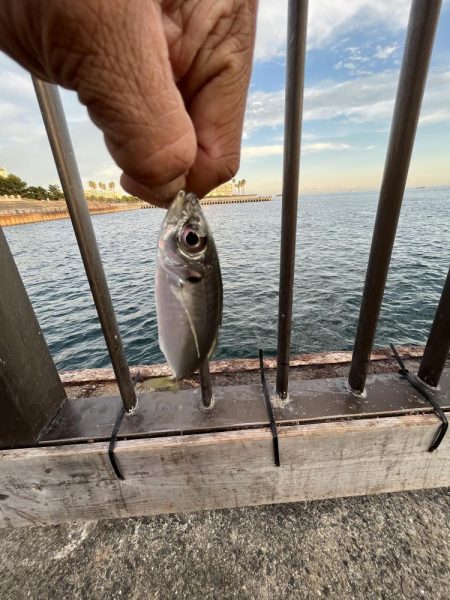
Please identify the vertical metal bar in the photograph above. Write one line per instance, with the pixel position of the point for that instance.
(58, 135)
(295, 72)
(422, 24)
(438, 344)
(31, 392)
(205, 384)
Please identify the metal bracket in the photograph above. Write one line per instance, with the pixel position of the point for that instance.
(118, 422)
(417, 385)
(112, 443)
(273, 425)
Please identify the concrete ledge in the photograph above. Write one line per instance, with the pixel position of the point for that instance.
(238, 365)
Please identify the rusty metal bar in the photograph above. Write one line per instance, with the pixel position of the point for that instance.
(59, 137)
(31, 392)
(438, 344)
(295, 72)
(421, 31)
(205, 384)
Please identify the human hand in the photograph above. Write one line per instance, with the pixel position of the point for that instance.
(165, 80)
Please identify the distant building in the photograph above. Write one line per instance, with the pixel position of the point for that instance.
(226, 189)
(3, 173)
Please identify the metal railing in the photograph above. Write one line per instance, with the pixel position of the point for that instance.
(416, 59)
(295, 75)
(438, 345)
(419, 41)
(61, 145)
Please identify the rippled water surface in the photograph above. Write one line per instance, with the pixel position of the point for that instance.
(333, 244)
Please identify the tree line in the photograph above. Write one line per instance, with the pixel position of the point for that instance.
(12, 185)
(107, 191)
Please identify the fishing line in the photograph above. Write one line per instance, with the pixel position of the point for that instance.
(417, 385)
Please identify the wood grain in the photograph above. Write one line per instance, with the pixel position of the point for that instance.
(216, 470)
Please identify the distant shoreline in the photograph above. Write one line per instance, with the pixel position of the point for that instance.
(21, 212)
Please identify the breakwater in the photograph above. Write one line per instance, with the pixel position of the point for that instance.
(240, 199)
(20, 212)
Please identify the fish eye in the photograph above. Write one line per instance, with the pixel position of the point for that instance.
(192, 241)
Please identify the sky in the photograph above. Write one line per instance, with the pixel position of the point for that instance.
(354, 51)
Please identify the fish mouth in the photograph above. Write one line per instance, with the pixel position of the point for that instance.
(175, 209)
(178, 202)
(184, 211)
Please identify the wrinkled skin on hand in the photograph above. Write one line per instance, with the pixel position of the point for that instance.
(166, 81)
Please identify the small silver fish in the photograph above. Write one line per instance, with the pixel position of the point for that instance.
(188, 287)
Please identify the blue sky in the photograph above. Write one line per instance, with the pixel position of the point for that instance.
(353, 60)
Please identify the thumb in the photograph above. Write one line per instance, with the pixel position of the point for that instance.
(128, 87)
(115, 55)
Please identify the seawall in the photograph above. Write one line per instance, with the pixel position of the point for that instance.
(236, 199)
(229, 200)
(20, 212)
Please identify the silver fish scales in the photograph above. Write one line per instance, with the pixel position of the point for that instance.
(188, 287)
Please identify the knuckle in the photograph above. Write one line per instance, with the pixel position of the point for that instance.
(170, 162)
(228, 167)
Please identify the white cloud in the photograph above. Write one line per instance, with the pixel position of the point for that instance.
(277, 149)
(327, 20)
(362, 100)
(354, 62)
(8, 111)
(384, 53)
(260, 151)
(16, 82)
(322, 146)
(437, 116)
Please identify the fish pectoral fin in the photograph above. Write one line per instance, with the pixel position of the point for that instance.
(213, 348)
(179, 295)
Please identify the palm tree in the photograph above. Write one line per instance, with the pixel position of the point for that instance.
(112, 187)
(102, 186)
(234, 184)
(243, 185)
(93, 187)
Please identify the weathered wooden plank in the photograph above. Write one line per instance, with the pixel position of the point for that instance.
(216, 470)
